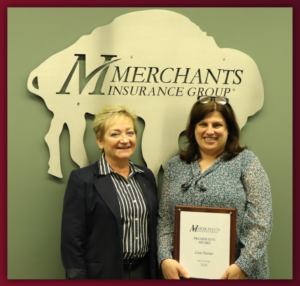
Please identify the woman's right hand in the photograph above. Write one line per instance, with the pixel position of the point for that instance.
(171, 269)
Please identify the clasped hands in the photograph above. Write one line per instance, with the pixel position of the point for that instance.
(171, 269)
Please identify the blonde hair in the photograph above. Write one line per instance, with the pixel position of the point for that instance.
(109, 113)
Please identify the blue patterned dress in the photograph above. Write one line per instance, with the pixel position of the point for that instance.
(239, 183)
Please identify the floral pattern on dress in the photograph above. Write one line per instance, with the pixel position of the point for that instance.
(239, 183)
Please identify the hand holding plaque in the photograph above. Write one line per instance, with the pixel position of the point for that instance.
(171, 269)
(204, 240)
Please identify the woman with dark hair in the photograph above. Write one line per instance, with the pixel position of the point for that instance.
(215, 171)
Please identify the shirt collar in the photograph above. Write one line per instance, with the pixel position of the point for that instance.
(105, 168)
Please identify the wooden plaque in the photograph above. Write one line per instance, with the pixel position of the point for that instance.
(204, 240)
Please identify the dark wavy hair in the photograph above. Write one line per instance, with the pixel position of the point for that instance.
(198, 112)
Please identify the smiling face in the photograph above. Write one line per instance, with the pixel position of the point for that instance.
(211, 134)
(119, 140)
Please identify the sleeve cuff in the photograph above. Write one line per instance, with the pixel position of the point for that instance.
(161, 259)
(76, 274)
(245, 264)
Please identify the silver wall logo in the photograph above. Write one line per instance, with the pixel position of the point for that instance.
(156, 62)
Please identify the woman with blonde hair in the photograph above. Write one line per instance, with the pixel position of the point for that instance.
(110, 208)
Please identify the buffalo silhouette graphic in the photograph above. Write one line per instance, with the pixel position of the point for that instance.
(156, 62)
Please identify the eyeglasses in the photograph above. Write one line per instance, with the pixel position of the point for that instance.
(218, 99)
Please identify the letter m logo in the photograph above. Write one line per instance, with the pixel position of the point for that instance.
(83, 79)
(193, 228)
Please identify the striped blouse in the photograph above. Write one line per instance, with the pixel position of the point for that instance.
(134, 213)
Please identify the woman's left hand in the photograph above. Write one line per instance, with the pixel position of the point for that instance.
(234, 272)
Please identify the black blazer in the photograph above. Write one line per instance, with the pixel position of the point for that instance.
(92, 233)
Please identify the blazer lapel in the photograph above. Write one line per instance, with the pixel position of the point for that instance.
(145, 186)
(107, 191)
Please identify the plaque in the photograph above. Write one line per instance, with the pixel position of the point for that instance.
(204, 240)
